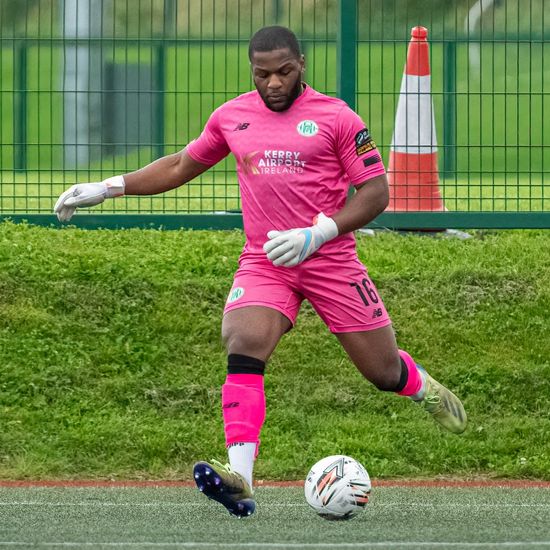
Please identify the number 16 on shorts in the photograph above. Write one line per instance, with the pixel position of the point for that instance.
(368, 296)
(366, 292)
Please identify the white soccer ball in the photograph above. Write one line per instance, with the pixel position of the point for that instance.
(337, 487)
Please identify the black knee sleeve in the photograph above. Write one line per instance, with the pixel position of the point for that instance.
(243, 364)
(403, 378)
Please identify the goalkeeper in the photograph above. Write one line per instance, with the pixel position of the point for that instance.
(297, 153)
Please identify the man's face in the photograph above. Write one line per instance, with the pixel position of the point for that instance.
(278, 77)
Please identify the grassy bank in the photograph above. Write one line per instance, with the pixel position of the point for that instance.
(111, 362)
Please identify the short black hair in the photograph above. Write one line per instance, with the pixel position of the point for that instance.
(272, 38)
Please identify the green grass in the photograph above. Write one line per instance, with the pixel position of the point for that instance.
(111, 362)
(182, 518)
(217, 191)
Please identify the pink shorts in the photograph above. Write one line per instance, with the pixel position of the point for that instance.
(339, 290)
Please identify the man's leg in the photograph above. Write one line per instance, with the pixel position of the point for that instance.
(250, 334)
(375, 354)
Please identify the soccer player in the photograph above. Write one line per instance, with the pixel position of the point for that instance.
(298, 151)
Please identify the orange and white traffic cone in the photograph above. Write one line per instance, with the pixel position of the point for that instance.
(412, 170)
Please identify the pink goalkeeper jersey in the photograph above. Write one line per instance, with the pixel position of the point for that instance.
(291, 165)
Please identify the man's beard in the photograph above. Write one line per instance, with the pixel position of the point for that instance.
(290, 99)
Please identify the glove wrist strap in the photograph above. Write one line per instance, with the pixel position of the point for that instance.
(114, 187)
(328, 227)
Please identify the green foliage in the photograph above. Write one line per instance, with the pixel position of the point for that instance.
(111, 361)
(196, 52)
(214, 19)
(13, 17)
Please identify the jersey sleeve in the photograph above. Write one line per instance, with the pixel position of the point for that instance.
(356, 149)
(210, 147)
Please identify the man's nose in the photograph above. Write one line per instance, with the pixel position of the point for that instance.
(274, 82)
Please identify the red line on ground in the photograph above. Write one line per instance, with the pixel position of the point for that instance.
(463, 483)
(459, 483)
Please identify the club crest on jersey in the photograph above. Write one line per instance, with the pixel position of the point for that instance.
(307, 128)
(235, 294)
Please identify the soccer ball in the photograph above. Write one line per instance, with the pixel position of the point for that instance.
(337, 487)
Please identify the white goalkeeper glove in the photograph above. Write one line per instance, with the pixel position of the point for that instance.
(87, 194)
(292, 247)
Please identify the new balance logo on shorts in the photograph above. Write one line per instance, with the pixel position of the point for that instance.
(231, 405)
(242, 126)
(377, 313)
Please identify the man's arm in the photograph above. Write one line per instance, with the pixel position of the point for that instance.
(162, 175)
(370, 200)
(289, 248)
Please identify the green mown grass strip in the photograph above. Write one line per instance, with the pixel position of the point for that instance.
(111, 361)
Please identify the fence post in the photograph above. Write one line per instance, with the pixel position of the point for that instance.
(20, 111)
(449, 108)
(347, 51)
(158, 101)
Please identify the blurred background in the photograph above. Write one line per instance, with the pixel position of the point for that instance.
(90, 88)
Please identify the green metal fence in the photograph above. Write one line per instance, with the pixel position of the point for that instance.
(91, 88)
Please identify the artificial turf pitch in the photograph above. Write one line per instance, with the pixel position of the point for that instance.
(179, 517)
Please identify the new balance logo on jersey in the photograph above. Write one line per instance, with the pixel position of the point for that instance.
(231, 405)
(242, 126)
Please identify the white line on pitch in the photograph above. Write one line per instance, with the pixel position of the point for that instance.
(273, 505)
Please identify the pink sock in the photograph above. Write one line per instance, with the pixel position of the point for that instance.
(243, 403)
(414, 382)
